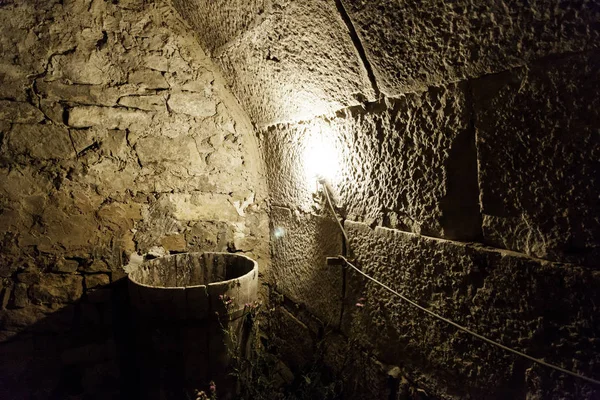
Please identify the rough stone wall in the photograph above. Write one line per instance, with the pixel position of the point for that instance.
(467, 138)
(118, 136)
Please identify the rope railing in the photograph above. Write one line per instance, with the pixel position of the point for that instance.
(345, 261)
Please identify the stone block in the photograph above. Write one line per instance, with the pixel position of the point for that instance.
(298, 63)
(300, 244)
(412, 45)
(199, 206)
(192, 104)
(118, 274)
(538, 149)
(21, 298)
(158, 223)
(97, 266)
(148, 79)
(87, 140)
(53, 111)
(147, 103)
(96, 281)
(19, 112)
(65, 266)
(67, 232)
(57, 289)
(14, 80)
(120, 217)
(174, 125)
(225, 160)
(83, 94)
(540, 308)
(203, 83)
(29, 277)
(111, 177)
(115, 145)
(108, 117)
(131, 4)
(22, 182)
(98, 67)
(47, 141)
(156, 62)
(408, 164)
(181, 151)
(5, 294)
(205, 236)
(174, 243)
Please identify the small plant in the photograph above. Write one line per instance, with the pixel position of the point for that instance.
(250, 363)
(201, 394)
(255, 362)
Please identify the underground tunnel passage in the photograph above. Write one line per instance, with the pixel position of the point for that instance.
(416, 183)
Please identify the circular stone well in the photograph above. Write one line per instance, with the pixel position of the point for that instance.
(188, 311)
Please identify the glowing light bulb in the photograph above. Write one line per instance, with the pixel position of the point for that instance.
(320, 158)
(278, 232)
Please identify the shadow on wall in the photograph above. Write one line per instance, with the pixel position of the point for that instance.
(82, 350)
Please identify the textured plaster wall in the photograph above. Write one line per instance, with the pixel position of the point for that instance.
(117, 136)
(467, 137)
